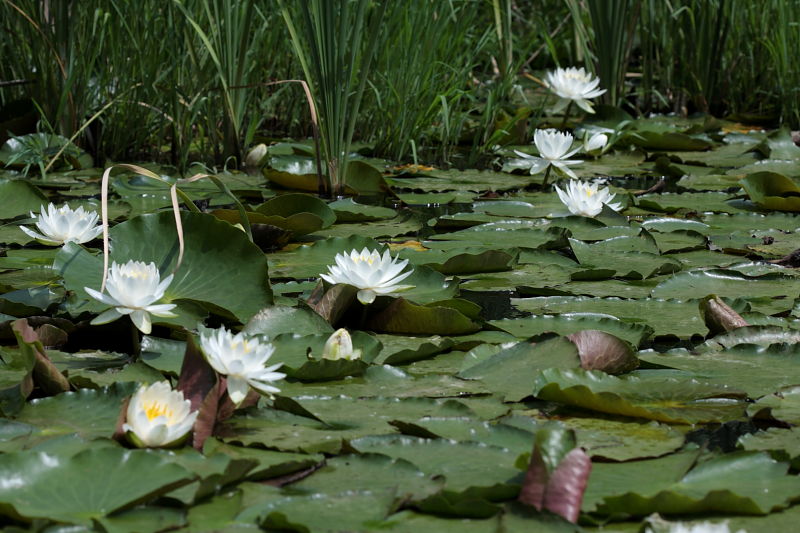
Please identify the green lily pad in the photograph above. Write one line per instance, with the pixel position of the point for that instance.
(16, 381)
(779, 145)
(298, 213)
(695, 284)
(491, 236)
(666, 317)
(679, 401)
(369, 471)
(737, 483)
(337, 421)
(280, 319)
(214, 250)
(567, 323)
(269, 463)
(350, 510)
(311, 260)
(18, 197)
(348, 210)
(89, 413)
(700, 202)
(512, 372)
(470, 429)
(771, 190)
(782, 443)
(635, 264)
(460, 180)
(130, 476)
(462, 261)
(783, 405)
(611, 438)
(487, 474)
(757, 370)
(402, 316)
(302, 356)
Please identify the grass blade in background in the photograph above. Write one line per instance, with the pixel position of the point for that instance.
(613, 25)
(335, 43)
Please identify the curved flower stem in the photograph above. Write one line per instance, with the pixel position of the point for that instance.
(566, 115)
(135, 342)
(546, 175)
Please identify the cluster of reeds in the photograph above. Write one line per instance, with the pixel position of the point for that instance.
(440, 80)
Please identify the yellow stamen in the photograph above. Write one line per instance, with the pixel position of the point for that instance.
(155, 410)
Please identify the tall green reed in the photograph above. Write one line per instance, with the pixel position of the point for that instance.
(613, 25)
(783, 44)
(335, 42)
(231, 35)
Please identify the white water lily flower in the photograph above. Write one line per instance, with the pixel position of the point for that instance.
(594, 145)
(369, 272)
(573, 85)
(158, 416)
(585, 199)
(133, 289)
(241, 359)
(554, 149)
(61, 225)
(340, 346)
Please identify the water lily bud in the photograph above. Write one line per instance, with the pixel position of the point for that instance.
(594, 145)
(340, 346)
(158, 417)
(256, 156)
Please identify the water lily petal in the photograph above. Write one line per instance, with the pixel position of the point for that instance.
(366, 296)
(237, 389)
(106, 317)
(104, 298)
(141, 319)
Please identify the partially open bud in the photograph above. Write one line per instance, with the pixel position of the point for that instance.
(595, 144)
(340, 346)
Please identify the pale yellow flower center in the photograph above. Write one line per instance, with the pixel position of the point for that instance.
(369, 259)
(155, 410)
(246, 346)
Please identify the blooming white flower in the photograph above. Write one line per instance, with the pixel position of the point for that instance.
(553, 148)
(133, 289)
(594, 145)
(370, 272)
(573, 85)
(61, 225)
(340, 346)
(158, 416)
(585, 199)
(242, 359)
